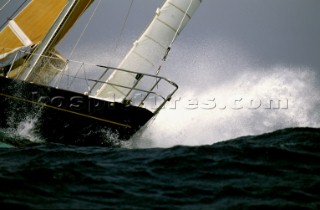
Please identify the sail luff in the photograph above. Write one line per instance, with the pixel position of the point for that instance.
(46, 41)
(79, 8)
(25, 40)
(153, 45)
(30, 25)
(62, 25)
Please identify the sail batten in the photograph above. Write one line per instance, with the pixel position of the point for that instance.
(30, 25)
(152, 47)
(144, 58)
(36, 71)
(25, 40)
(35, 31)
(155, 41)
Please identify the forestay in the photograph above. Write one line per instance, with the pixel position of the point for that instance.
(151, 48)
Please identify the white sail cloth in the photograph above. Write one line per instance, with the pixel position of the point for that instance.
(153, 46)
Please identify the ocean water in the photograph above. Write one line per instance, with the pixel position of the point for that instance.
(203, 151)
(192, 156)
(276, 170)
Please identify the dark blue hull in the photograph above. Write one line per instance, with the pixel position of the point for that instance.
(67, 117)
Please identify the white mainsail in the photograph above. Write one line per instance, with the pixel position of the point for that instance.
(153, 46)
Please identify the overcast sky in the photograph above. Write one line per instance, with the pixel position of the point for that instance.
(263, 32)
(263, 48)
(273, 31)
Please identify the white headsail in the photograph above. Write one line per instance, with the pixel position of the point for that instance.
(153, 46)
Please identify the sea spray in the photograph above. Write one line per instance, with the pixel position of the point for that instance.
(25, 129)
(22, 118)
(226, 93)
(255, 103)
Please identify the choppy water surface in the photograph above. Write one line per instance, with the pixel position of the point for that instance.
(278, 170)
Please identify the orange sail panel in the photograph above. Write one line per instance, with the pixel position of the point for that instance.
(30, 25)
(79, 8)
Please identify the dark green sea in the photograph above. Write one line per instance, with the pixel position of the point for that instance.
(278, 170)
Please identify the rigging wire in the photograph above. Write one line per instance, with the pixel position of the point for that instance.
(85, 28)
(14, 13)
(78, 41)
(5, 5)
(181, 22)
(123, 27)
(174, 37)
(118, 41)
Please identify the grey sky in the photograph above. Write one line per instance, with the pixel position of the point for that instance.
(255, 49)
(270, 32)
(274, 31)
(285, 31)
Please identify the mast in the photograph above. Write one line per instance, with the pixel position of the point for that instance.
(46, 41)
(151, 48)
(29, 26)
(68, 16)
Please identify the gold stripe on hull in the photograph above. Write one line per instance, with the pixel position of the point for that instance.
(65, 110)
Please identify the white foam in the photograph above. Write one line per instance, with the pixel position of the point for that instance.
(256, 103)
(249, 98)
(252, 101)
(25, 129)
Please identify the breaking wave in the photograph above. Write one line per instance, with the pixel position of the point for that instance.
(252, 100)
